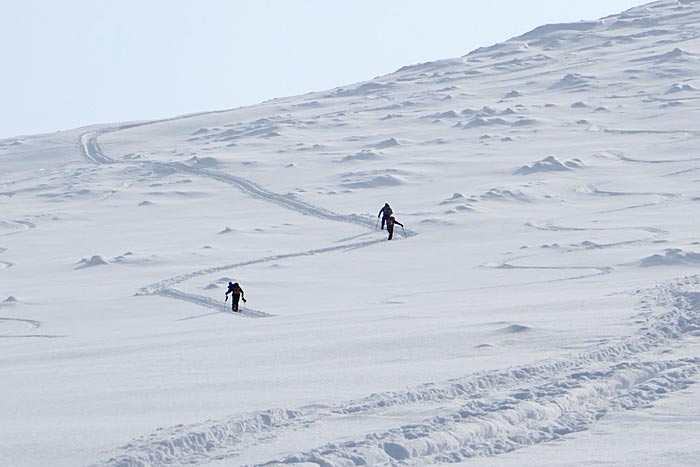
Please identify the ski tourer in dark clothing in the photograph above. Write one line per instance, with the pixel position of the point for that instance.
(385, 212)
(390, 221)
(236, 294)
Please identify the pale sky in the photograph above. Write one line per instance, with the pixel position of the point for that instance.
(69, 63)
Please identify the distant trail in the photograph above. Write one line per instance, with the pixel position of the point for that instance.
(485, 414)
(94, 153)
(29, 325)
(600, 271)
(656, 233)
(622, 157)
(256, 191)
(652, 132)
(91, 150)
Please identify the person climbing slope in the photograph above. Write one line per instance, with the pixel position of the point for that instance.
(385, 212)
(236, 294)
(390, 221)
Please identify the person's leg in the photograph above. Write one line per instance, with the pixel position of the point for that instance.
(383, 222)
(235, 302)
(391, 231)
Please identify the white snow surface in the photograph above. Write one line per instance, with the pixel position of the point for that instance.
(541, 307)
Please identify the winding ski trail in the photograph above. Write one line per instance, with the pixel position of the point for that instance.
(92, 151)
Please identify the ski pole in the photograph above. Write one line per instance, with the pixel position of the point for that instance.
(404, 231)
(376, 226)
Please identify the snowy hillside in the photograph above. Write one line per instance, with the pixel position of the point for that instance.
(541, 306)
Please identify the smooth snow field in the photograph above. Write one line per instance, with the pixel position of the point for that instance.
(541, 306)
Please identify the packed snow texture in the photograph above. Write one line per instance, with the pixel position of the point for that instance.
(540, 307)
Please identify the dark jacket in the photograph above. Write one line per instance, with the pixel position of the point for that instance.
(385, 211)
(234, 289)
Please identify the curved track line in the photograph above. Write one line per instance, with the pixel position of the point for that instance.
(30, 324)
(621, 156)
(652, 132)
(24, 226)
(91, 150)
(485, 414)
(601, 271)
(657, 233)
(167, 283)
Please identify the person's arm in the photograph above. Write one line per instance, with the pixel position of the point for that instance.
(380, 212)
(243, 296)
(397, 222)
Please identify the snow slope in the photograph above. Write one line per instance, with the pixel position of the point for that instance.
(542, 305)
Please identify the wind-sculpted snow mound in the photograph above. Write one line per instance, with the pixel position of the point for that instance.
(675, 55)
(675, 88)
(514, 329)
(95, 260)
(550, 30)
(364, 155)
(504, 194)
(481, 122)
(573, 82)
(363, 89)
(550, 164)
(203, 162)
(440, 115)
(672, 257)
(387, 143)
(370, 181)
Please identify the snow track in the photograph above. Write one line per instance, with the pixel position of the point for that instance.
(209, 303)
(28, 324)
(484, 414)
(93, 152)
(164, 288)
(283, 201)
(158, 286)
(9, 328)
